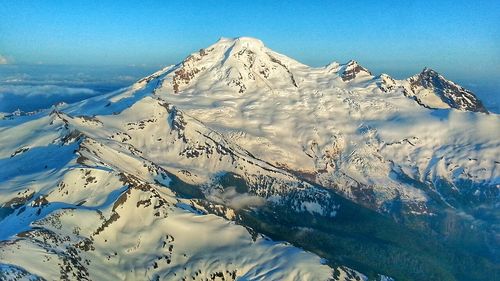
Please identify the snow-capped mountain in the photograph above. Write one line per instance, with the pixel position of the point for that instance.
(352, 70)
(340, 126)
(431, 89)
(177, 176)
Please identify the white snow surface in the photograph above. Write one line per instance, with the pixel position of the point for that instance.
(84, 195)
(311, 121)
(95, 208)
(86, 188)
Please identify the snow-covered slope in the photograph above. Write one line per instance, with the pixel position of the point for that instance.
(339, 125)
(89, 198)
(147, 182)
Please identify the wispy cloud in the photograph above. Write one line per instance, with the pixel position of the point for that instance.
(235, 200)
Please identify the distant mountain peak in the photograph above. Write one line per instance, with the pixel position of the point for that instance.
(428, 70)
(448, 92)
(352, 69)
(386, 83)
(352, 62)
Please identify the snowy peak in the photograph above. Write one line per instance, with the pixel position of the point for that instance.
(386, 83)
(351, 70)
(243, 64)
(435, 91)
(426, 76)
(429, 71)
(242, 42)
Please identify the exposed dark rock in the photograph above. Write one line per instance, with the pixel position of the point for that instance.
(450, 93)
(351, 71)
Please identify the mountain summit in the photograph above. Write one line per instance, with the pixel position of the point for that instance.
(242, 63)
(195, 172)
(245, 42)
(247, 65)
(429, 82)
(352, 69)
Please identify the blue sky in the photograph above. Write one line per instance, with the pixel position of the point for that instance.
(459, 38)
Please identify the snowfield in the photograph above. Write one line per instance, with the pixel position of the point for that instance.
(128, 185)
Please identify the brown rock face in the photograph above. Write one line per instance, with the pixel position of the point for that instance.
(351, 70)
(450, 93)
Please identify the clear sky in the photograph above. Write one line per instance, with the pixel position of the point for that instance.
(458, 38)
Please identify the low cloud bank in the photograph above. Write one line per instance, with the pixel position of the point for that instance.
(34, 97)
(33, 87)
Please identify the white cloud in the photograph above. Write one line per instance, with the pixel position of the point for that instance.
(44, 90)
(230, 197)
(3, 60)
(33, 97)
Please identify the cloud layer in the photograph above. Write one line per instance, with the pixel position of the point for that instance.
(33, 97)
(33, 87)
